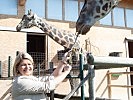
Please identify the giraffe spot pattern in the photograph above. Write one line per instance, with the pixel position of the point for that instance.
(57, 39)
(71, 40)
(103, 14)
(43, 24)
(101, 2)
(60, 35)
(110, 5)
(51, 35)
(70, 35)
(105, 7)
(54, 31)
(66, 38)
(63, 42)
(98, 9)
(97, 16)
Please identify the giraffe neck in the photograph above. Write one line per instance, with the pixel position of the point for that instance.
(62, 37)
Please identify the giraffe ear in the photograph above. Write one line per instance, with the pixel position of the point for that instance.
(29, 12)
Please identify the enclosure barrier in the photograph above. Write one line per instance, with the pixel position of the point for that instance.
(93, 64)
(112, 62)
(99, 63)
(106, 63)
(121, 86)
(9, 64)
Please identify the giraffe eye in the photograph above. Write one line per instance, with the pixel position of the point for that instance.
(29, 19)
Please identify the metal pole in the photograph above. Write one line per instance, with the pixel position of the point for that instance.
(38, 70)
(9, 65)
(0, 70)
(108, 62)
(51, 71)
(91, 82)
(112, 62)
(109, 83)
(91, 74)
(81, 76)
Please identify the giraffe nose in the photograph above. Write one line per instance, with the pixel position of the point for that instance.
(18, 28)
(82, 28)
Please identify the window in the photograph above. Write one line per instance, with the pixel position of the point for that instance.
(36, 6)
(55, 9)
(8, 7)
(119, 18)
(71, 10)
(118, 14)
(129, 18)
(106, 20)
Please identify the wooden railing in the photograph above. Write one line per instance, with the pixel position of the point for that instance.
(109, 85)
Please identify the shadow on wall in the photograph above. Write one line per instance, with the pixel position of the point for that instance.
(4, 68)
(100, 84)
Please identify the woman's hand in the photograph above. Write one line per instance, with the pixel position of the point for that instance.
(67, 68)
(61, 72)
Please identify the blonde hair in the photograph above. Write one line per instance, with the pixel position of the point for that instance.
(19, 58)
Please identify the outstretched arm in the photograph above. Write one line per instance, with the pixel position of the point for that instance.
(61, 72)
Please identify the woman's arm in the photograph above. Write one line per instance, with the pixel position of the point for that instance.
(61, 72)
(29, 85)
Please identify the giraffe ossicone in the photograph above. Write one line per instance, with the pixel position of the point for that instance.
(91, 12)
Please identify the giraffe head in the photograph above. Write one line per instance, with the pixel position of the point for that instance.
(28, 21)
(92, 11)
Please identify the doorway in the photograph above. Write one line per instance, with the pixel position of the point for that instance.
(36, 48)
(35, 43)
(130, 48)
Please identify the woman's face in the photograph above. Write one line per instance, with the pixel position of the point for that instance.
(25, 68)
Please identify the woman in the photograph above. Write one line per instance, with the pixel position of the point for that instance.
(28, 87)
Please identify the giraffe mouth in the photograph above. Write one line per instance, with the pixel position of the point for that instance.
(83, 29)
(18, 28)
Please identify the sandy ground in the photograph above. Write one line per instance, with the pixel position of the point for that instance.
(4, 86)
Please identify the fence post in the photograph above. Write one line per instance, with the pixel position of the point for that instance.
(91, 73)
(109, 85)
(0, 70)
(81, 75)
(38, 70)
(9, 65)
(51, 70)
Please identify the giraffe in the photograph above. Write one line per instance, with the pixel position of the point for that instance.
(65, 38)
(62, 37)
(92, 11)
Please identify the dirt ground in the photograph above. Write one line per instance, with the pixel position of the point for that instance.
(4, 86)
